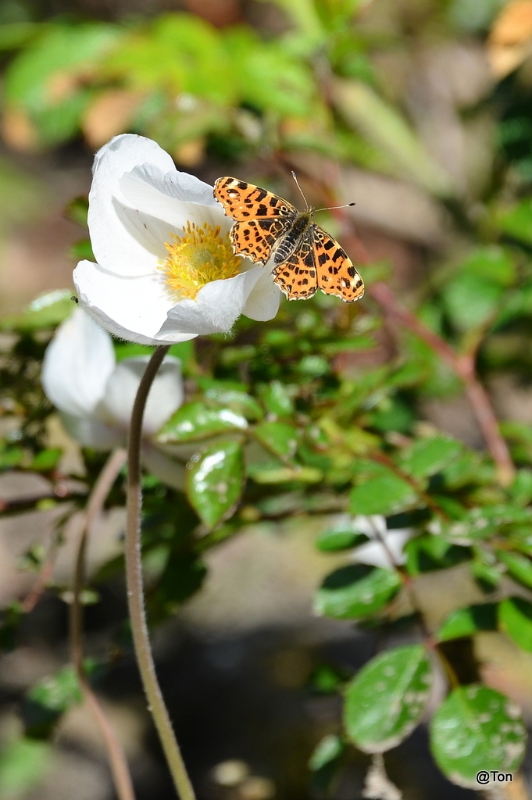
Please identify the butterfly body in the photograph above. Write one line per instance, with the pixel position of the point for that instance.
(306, 258)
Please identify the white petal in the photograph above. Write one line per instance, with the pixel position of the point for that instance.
(131, 308)
(370, 525)
(166, 393)
(89, 432)
(263, 301)
(171, 196)
(120, 247)
(77, 364)
(163, 467)
(377, 555)
(216, 308)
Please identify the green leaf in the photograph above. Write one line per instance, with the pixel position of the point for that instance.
(329, 749)
(430, 551)
(215, 480)
(342, 537)
(471, 301)
(518, 566)
(235, 400)
(23, 763)
(356, 591)
(468, 621)
(45, 311)
(383, 494)
(277, 399)
(45, 460)
(278, 437)
(426, 457)
(387, 698)
(517, 221)
(196, 421)
(477, 729)
(515, 619)
(271, 475)
(48, 699)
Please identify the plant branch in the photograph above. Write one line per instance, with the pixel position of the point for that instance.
(117, 759)
(135, 589)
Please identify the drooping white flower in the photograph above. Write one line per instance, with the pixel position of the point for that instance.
(94, 394)
(166, 270)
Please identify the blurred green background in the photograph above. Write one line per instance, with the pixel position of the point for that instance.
(420, 111)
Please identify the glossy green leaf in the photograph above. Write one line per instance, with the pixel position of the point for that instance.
(277, 399)
(235, 400)
(515, 619)
(426, 457)
(383, 494)
(196, 421)
(518, 566)
(477, 729)
(278, 437)
(215, 480)
(356, 591)
(342, 537)
(468, 621)
(271, 475)
(429, 552)
(387, 698)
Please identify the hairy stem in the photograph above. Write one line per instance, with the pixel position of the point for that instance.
(117, 759)
(135, 589)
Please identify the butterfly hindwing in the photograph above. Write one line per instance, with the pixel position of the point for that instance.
(296, 275)
(336, 273)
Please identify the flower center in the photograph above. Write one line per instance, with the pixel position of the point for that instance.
(198, 257)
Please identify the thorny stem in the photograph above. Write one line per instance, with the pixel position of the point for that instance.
(135, 589)
(462, 364)
(117, 759)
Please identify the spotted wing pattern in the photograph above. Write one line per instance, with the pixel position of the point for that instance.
(242, 201)
(256, 237)
(297, 275)
(336, 272)
(263, 221)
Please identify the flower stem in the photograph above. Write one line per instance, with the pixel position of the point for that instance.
(117, 759)
(135, 590)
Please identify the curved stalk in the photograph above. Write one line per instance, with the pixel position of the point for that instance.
(135, 589)
(117, 759)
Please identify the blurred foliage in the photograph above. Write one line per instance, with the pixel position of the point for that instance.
(304, 415)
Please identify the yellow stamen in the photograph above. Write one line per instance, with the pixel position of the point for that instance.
(198, 257)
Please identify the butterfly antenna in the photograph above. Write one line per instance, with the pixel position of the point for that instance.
(294, 176)
(332, 208)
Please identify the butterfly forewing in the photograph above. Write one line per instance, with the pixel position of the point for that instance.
(307, 258)
(243, 201)
(256, 237)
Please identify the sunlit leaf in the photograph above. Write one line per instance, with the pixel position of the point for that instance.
(515, 619)
(468, 621)
(477, 729)
(215, 480)
(196, 421)
(356, 591)
(387, 698)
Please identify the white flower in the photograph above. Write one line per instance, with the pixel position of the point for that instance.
(95, 395)
(374, 552)
(166, 270)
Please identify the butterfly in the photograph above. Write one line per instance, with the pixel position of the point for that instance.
(305, 257)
